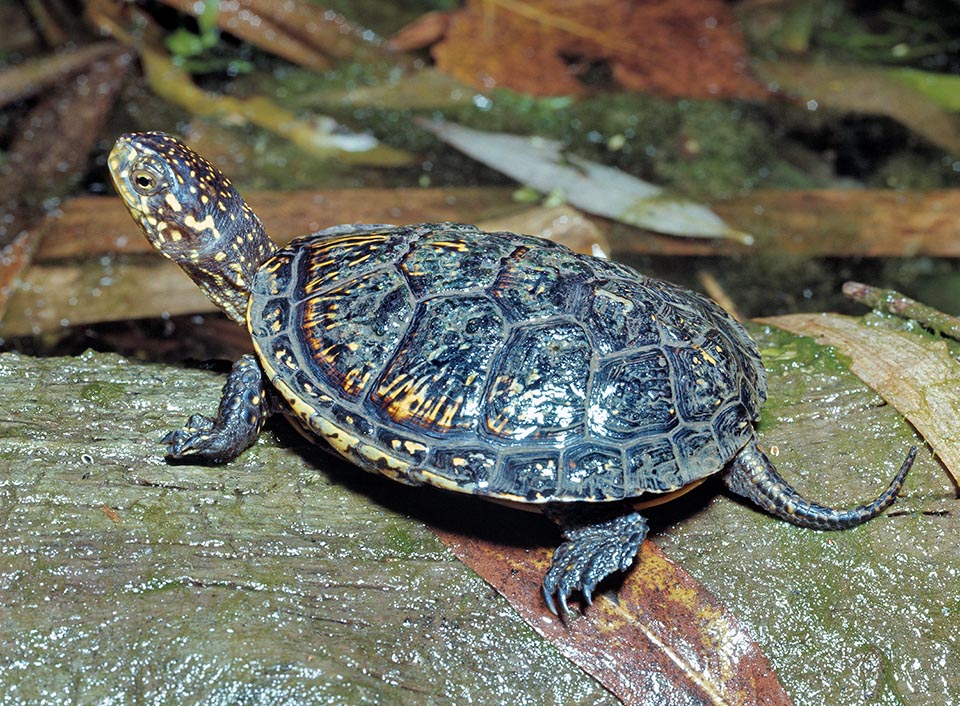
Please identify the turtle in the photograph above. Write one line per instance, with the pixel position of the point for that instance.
(499, 365)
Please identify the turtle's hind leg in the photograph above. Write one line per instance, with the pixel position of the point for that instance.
(244, 407)
(752, 475)
(592, 552)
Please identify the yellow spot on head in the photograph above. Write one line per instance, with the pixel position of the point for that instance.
(172, 202)
(206, 224)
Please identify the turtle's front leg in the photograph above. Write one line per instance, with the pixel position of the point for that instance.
(244, 407)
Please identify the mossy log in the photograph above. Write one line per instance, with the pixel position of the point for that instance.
(289, 577)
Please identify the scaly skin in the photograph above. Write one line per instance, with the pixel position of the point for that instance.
(752, 475)
(244, 407)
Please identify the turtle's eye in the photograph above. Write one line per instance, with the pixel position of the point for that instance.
(145, 181)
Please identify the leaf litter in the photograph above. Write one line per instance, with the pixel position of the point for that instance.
(593, 187)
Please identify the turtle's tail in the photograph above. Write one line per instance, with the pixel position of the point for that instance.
(752, 475)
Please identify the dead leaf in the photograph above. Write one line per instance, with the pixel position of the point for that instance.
(919, 378)
(297, 30)
(663, 640)
(561, 224)
(591, 186)
(426, 30)
(867, 90)
(34, 75)
(691, 49)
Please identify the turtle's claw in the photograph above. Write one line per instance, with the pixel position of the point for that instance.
(243, 408)
(197, 438)
(181, 441)
(590, 554)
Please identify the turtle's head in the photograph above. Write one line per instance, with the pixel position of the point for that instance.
(191, 213)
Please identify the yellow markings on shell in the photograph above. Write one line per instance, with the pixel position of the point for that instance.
(411, 447)
(386, 390)
(411, 396)
(498, 425)
(344, 441)
(339, 438)
(450, 412)
(350, 445)
(414, 447)
(354, 380)
(286, 359)
(457, 245)
(623, 301)
(360, 260)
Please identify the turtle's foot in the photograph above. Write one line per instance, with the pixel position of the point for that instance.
(243, 409)
(590, 554)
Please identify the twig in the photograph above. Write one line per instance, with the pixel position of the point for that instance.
(893, 302)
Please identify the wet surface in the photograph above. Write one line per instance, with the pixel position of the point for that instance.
(288, 577)
(862, 616)
(124, 579)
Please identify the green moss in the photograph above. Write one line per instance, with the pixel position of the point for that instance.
(402, 541)
(102, 392)
(782, 350)
(706, 149)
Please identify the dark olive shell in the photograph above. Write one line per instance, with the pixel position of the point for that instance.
(503, 365)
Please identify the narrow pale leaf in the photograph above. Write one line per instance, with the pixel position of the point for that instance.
(662, 640)
(919, 378)
(593, 187)
(942, 89)
(867, 90)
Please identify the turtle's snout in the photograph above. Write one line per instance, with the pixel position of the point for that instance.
(153, 174)
(141, 174)
(118, 162)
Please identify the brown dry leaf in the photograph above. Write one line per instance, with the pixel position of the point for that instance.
(663, 640)
(34, 75)
(919, 378)
(111, 514)
(691, 48)
(297, 30)
(561, 224)
(426, 30)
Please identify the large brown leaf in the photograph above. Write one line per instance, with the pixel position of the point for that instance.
(919, 378)
(688, 48)
(662, 640)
